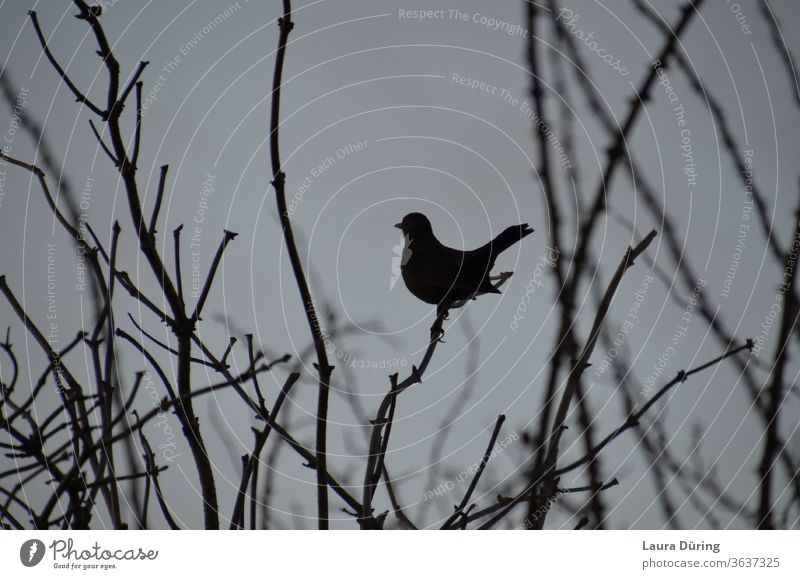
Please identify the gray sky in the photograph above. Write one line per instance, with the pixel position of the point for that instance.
(380, 120)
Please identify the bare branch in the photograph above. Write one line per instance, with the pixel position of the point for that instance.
(324, 368)
(459, 510)
(79, 96)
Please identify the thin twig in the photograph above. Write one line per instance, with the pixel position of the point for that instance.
(201, 301)
(459, 510)
(381, 425)
(79, 96)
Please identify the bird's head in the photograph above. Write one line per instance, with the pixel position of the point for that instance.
(415, 225)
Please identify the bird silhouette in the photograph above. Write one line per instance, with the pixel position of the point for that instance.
(449, 277)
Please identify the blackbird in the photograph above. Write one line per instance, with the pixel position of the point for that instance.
(448, 277)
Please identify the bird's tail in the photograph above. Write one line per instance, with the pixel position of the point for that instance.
(509, 237)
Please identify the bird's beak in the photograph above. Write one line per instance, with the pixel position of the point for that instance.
(398, 225)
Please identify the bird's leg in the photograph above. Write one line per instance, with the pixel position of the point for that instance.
(501, 278)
